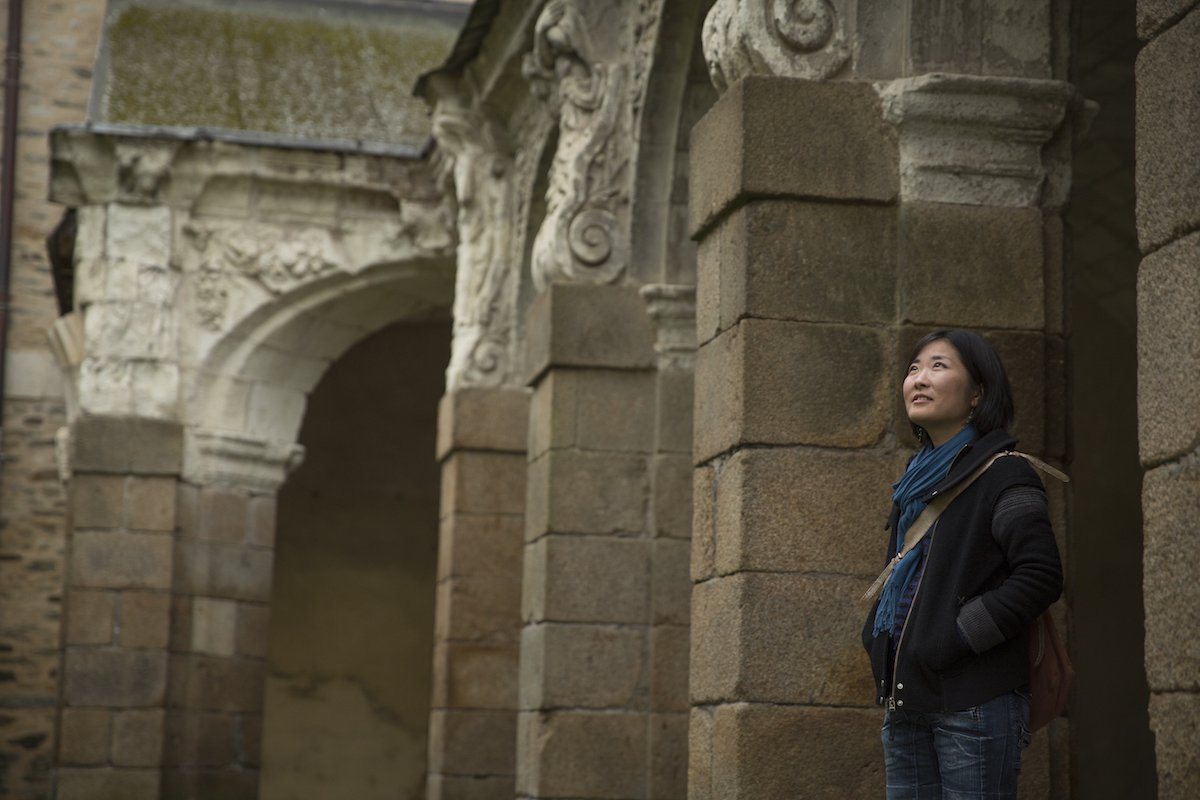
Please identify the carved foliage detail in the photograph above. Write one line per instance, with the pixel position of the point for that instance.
(792, 38)
(582, 237)
(275, 258)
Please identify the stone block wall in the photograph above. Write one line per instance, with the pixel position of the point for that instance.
(473, 720)
(820, 264)
(118, 608)
(1168, 288)
(58, 47)
(602, 691)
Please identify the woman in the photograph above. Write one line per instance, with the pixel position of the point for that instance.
(946, 634)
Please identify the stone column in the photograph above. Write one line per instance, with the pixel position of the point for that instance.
(838, 221)
(586, 722)
(224, 554)
(473, 720)
(1168, 214)
(117, 608)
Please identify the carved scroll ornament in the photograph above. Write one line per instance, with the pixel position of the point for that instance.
(582, 237)
(790, 38)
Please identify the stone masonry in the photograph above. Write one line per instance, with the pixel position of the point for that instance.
(1168, 287)
(896, 219)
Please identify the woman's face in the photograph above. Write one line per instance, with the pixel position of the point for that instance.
(938, 392)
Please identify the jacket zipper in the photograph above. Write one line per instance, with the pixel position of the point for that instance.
(891, 704)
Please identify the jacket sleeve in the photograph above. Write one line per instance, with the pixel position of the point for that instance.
(1021, 528)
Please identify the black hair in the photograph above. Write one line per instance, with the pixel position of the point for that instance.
(995, 409)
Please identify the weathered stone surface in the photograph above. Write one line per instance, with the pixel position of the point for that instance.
(673, 496)
(200, 739)
(1175, 720)
(578, 492)
(121, 560)
(214, 626)
(582, 754)
(669, 668)
(98, 501)
(989, 38)
(778, 137)
(470, 787)
(126, 445)
(804, 261)
(581, 666)
(223, 783)
(89, 616)
(107, 784)
(774, 382)
(145, 620)
(484, 608)
(593, 409)
(973, 266)
(841, 757)
(1168, 329)
(478, 545)
(676, 389)
(779, 638)
(573, 325)
(804, 510)
(137, 738)
(261, 527)
(704, 531)
(114, 677)
(214, 683)
(586, 579)
(482, 482)
(1153, 16)
(700, 753)
(473, 743)
(84, 736)
(1170, 497)
(476, 418)
(234, 572)
(150, 504)
(222, 515)
(672, 592)
(250, 637)
(467, 675)
(1168, 172)
(668, 755)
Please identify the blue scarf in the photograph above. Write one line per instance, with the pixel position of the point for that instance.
(927, 469)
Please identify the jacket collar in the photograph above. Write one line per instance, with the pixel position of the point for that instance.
(971, 458)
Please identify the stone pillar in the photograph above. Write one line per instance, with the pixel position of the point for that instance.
(473, 720)
(224, 554)
(672, 309)
(117, 608)
(587, 719)
(838, 222)
(1168, 214)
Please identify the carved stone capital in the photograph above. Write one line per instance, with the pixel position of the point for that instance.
(785, 38)
(672, 308)
(584, 236)
(235, 459)
(977, 140)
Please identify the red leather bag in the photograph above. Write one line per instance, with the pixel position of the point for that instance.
(1050, 672)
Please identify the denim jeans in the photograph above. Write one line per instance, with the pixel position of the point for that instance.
(958, 755)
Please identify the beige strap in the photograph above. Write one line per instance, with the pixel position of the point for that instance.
(921, 525)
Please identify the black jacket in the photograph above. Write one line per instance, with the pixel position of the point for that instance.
(974, 576)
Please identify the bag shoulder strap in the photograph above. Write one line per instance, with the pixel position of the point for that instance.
(924, 521)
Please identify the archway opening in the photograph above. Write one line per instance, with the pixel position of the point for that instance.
(352, 603)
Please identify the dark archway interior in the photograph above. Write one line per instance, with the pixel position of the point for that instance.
(352, 606)
(1112, 749)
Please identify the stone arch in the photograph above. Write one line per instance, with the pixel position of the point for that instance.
(271, 359)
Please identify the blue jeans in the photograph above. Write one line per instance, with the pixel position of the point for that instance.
(958, 755)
